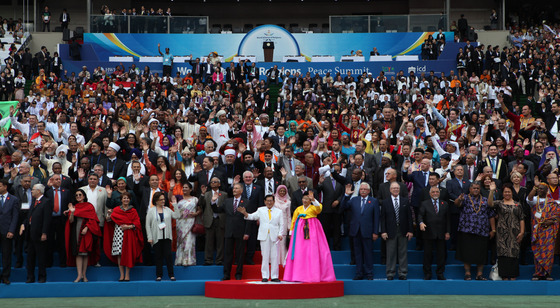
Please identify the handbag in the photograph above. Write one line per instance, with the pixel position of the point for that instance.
(198, 227)
(494, 275)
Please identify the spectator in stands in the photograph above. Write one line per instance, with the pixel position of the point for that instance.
(64, 19)
(463, 27)
(46, 18)
(167, 61)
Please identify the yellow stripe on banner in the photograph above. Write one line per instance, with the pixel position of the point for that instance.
(418, 42)
(113, 38)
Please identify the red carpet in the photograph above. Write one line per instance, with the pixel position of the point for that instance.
(255, 289)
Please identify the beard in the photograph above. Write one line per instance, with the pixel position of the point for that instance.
(554, 163)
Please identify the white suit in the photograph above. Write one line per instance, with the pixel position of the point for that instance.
(269, 230)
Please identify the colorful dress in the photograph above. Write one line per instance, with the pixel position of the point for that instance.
(309, 257)
(474, 230)
(543, 237)
(186, 240)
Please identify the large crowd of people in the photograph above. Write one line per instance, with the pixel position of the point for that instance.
(137, 165)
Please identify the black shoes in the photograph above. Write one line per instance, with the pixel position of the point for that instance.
(441, 277)
(402, 277)
(225, 278)
(237, 277)
(275, 280)
(428, 277)
(358, 277)
(264, 280)
(390, 278)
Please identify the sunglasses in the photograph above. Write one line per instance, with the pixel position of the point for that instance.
(77, 195)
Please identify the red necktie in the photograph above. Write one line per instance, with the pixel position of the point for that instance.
(435, 206)
(56, 206)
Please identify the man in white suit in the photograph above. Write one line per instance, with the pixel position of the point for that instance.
(271, 225)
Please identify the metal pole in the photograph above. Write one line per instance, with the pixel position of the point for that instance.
(35, 15)
(503, 14)
(88, 15)
(448, 13)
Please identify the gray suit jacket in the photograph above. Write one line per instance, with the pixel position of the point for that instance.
(292, 183)
(205, 203)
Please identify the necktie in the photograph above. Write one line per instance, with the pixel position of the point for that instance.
(493, 160)
(25, 197)
(208, 176)
(333, 183)
(290, 161)
(436, 206)
(269, 215)
(248, 190)
(2, 201)
(397, 210)
(426, 178)
(363, 204)
(270, 187)
(151, 197)
(235, 206)
(56, 201)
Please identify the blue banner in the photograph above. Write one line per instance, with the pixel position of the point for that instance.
(285, 43)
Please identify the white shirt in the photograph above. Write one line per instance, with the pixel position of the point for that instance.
(92, 196)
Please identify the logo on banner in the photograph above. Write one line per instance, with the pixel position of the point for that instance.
(417, 69)
(283, 41)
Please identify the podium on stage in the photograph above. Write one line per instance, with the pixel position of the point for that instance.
(268, 48)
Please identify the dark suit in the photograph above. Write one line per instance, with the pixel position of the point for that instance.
(256, 200)
(437, 225)
(455, 189)
(38, 222)
(236, 228)
(197, 70)
(9, 213)
(135, 187)
(396, 234)
(385, 193)
(203, 177)
(275, 184)
(117, 167)
(24, 197)
(331, 217)
(419, 181)
(364, 223)
(501, 167)
(57, 234)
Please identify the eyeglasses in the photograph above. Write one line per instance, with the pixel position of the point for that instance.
(302, 182)
(77, 195)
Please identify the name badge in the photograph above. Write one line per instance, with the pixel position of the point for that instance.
(110, 175)
(230, 181)
(538, 215)
(25, 206)
(161, 226)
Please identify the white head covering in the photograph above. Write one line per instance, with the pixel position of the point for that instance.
(213, 154)
(229, 152)
(62, 148)
(152, 120)
(220, 113)
(114, 146)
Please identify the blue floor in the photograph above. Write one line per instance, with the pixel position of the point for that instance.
(191, 280)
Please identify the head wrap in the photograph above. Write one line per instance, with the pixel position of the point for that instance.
(136, 152)
(220, 113)
(114, 146)
(230, 152)
(62, 148)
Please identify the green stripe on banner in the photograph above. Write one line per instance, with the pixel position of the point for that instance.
(5, 112)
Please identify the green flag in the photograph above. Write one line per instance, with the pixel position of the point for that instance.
(5, 112)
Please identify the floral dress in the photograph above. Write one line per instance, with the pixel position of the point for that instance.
(186, 240)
